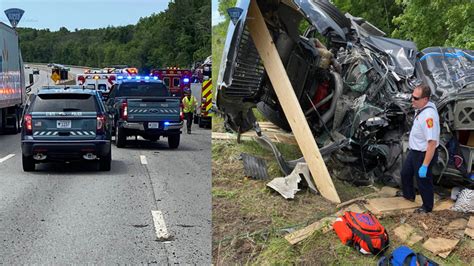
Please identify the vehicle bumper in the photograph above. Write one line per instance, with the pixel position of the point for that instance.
(63, 151)
(164, 127)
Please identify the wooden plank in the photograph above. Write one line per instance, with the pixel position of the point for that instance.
(407, 234)
(443, 205)
(458, 224)
(324, 225)
(383, 205)
(440, 246)
(279, 138)
(285, 93)
(470, 223)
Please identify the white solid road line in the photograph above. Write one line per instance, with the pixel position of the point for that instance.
(160, 226)
(6, 157)
(143, 159)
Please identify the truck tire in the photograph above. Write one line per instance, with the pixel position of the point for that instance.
(201, 124)
(105, 162)
(28, 163)
(173, 141)
(120, 137)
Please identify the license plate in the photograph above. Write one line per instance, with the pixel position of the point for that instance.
(63, 123)
(153, 125)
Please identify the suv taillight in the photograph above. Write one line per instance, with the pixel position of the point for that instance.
(101, 124)
(28, 124)
(124, 110)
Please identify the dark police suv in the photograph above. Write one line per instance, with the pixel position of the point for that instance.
(65, 124)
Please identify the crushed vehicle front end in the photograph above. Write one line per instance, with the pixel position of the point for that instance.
(354, 90)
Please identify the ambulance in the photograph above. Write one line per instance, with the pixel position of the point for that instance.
(174, 78)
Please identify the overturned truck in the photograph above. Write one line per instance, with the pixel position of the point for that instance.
(354, 86)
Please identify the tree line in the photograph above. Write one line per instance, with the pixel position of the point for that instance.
(178, 36)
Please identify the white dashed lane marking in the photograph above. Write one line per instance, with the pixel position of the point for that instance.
(6, 157)
(160, 226)
(143, 159)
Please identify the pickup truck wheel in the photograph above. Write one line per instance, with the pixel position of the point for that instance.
(173, 141)
(28, 163)
(201, 124)
(120, 137)
(105, 162)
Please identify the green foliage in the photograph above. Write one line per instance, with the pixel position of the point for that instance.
(177, 36)
(379, 13)
(436, 23)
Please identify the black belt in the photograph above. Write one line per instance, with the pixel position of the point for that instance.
(416, 150)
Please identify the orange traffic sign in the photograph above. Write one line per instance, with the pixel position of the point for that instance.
(55, 77)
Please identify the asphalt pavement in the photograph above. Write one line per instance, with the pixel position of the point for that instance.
(153, 207)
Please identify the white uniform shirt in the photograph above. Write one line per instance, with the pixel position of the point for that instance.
(425, 127)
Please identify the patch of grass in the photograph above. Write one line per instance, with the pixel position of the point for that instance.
(217, 124)
(259, 116)
(277, 252)
(220, 193)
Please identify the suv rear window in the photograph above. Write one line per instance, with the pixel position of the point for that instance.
(143, 89)
(63, 102)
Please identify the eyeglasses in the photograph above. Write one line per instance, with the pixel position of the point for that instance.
(416, 98)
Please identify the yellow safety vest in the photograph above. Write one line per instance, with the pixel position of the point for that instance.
(189, 104)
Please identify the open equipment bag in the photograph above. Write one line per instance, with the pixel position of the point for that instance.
(362, 231)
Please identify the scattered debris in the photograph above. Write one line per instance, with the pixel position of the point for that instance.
(443, 205)
(324, 225)
(254, 167)
(379, 206)
(470, 228)
(424, 226)
(457, 224)
(440, 246)
(407, 234)
(288, 186)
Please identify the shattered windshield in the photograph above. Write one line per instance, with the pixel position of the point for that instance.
(447, 68)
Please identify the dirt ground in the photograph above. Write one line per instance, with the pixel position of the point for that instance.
(250, 219)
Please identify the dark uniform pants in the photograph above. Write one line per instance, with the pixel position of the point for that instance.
(189, 120)
(410, 168)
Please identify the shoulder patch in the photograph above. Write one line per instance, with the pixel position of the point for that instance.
(429, 122)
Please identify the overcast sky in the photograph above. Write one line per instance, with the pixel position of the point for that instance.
(81, 14)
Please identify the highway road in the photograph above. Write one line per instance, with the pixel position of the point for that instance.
(154, 206)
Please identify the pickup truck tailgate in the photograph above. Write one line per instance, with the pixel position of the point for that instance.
(153, 109)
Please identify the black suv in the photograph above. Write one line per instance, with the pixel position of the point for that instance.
(65, 124)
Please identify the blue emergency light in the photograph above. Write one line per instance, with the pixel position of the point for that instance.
(167, 123)
(119, 77)
(186, 80)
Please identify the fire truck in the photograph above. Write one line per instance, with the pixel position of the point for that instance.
(201, 88)
(174, 78)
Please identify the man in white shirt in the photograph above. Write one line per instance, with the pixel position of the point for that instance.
(422, 155)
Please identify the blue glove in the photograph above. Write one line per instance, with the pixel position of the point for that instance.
(422, 171)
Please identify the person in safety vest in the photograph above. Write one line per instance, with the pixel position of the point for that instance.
(189, 106)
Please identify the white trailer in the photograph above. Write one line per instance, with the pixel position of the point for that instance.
(12, 80)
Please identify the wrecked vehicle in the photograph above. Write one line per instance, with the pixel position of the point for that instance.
(354, 89)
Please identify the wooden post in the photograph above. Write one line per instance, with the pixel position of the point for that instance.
(285, 93)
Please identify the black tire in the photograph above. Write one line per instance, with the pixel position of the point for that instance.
(105, 162)
(334, 13)
(173, 141)
(201, 124)
(120, 137)
(28, 163)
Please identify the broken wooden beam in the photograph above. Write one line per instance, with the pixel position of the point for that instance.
(287, 98)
